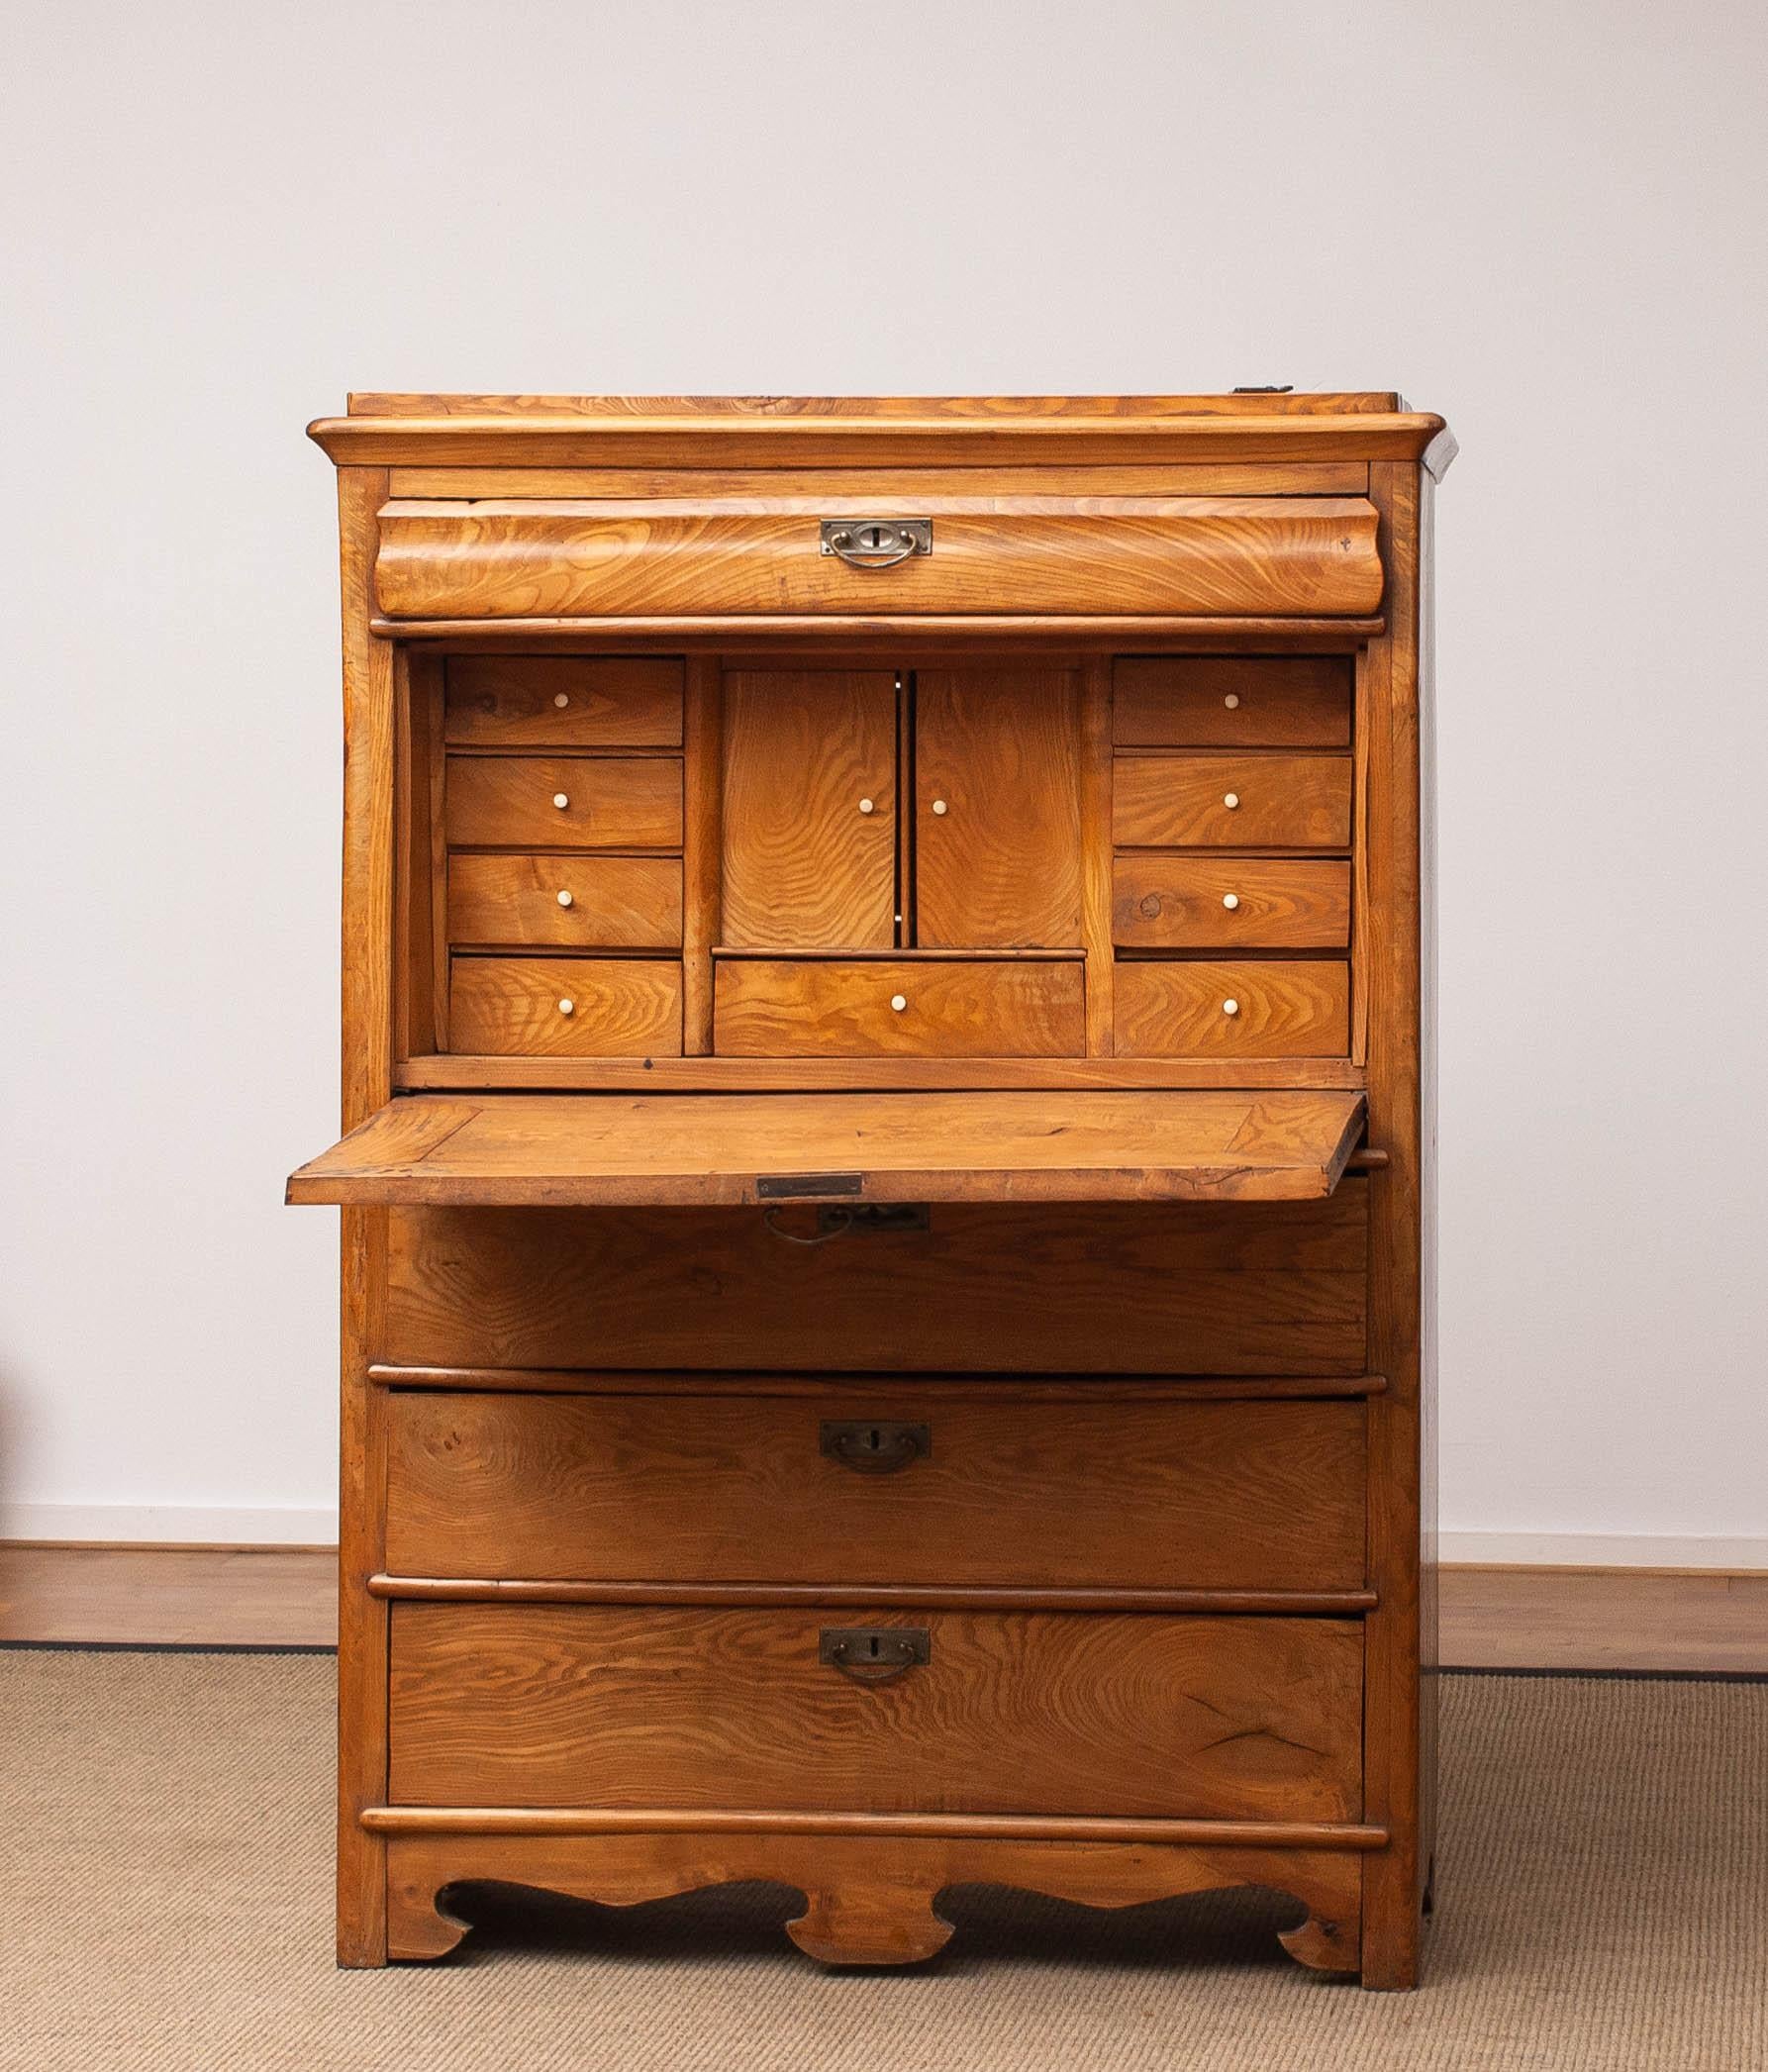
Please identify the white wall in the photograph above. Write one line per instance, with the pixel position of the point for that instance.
(1546, 222)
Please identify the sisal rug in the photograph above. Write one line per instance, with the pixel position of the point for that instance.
(1602, 1894)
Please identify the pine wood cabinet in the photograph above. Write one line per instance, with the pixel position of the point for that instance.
(887, 1159)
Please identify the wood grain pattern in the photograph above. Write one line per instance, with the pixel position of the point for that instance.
(611, 801)
(1038, 1712)
(616, 901)
(1162, 901)
(1299, 1008)
(1231, 701)
(681, 1488)
(1207, 555)
(506, 701)
(769, 1007)
(541, 1151)
(1181, 801)
(804, 863)
(869, 1898)
(1244, 1288)
(368, 1023)
(997, 812)
(1400, 1729)
(619, 1006)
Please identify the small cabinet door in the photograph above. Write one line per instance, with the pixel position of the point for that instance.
(810, 808)
(997, 808)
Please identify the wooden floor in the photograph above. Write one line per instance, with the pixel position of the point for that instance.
(1692, 1620)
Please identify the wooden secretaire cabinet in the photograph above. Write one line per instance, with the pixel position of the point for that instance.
(887, 1185)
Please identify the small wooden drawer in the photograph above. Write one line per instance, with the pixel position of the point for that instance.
(520, 701)
(1232, 801)
(1250, 1010)
(564, 1007)
(565, 902)
(1231, 701)
(1188, 901)
(1102, 1486)
(564, 802)
(899, 1007)
(530, 557)
(748, 1710)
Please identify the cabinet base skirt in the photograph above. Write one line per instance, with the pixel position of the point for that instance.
(869, 1898)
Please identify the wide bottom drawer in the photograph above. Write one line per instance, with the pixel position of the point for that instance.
(1106, 1488)
(1132, 1714)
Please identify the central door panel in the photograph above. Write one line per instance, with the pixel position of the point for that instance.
(810, 808)
(997, 814)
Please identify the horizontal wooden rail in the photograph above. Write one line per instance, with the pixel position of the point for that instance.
(1108, 1388)
(979, 1827)
(896, 1595)
(1317, 635)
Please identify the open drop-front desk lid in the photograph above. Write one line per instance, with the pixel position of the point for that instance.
(586, 1150)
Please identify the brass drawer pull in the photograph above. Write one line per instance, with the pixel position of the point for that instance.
(876, 542)
(874, 1654)
(874, 1445)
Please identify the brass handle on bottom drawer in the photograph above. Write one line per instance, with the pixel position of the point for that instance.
(875, 542)
(874, 1445)
(874, 1654)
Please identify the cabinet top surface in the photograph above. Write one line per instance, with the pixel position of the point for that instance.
(387, 429)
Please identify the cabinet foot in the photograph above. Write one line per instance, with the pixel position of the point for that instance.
(871, 1923)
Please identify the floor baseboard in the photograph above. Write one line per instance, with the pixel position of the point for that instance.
(1692, 1622)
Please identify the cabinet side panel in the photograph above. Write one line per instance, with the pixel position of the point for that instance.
(368, 1039)
(1394, 916)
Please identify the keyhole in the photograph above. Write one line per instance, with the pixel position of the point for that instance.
(876, 1650)
(875, 1439)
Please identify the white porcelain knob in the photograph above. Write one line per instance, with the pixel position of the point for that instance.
(1232, 700)
(1230, 1007)
(898, 1001)
(866, 806)
(561, 699)
(1230, 900)
(939, 805)
(565, 898)
(561, 800)
(567, 1007)
(1231, 800)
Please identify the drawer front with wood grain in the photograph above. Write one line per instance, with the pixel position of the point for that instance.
(564, 1007)
(536, 701)
(885, 1486)
(565, 802)
(1188, 901)
(565, 902)
(899, 1007)
(750, 1710)
(1231, 701)
(1239, 1288)
(1257, 1008)
(1232, 801)
(1215, 555)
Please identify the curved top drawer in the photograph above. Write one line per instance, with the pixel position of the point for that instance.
(1269, 556)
